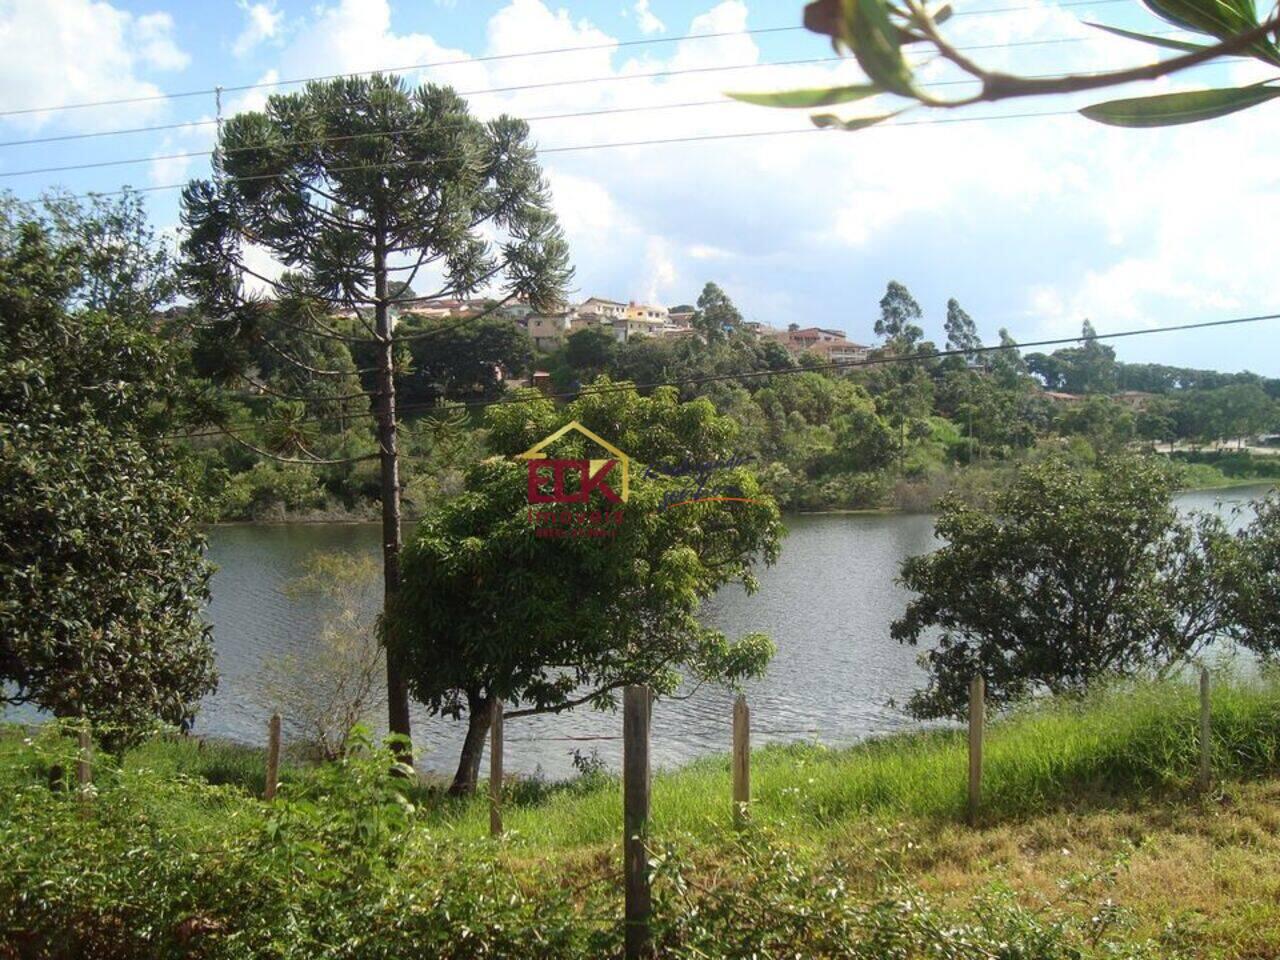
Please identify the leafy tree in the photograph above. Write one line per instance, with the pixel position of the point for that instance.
(962, 333)
(102, 571)
(461, 362)
(490, 610)
(355, 185)
(1254, 587)
(1108, 425)
(1008, 365)
(716, 316)
(1154, 421)
(1073, 575)
(875, 31)
(899, 319)
(590, 352)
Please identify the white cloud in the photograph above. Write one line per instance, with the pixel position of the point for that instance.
(646, 19)
(59, 52)
(153, 38)
(262, 23)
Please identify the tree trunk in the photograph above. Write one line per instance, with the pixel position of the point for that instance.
(468, 773)
(389, 460)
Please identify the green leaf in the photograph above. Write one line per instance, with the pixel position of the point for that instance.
(1173, 108)
(1146, 38)
(1222, 19)
(831, 121)
(815, 97)
(873, 38)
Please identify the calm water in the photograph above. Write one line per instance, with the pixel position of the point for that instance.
(827, 604)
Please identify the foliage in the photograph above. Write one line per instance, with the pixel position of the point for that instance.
(716, 316)
(1073, 575)
(462, 361)
(102, 573)
(332, 688)
(492, 611)
(853, 852)
(876, 31)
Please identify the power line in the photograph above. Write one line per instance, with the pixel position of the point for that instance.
(699, 138)
(461, 61)
(753, 374)
(390, 133)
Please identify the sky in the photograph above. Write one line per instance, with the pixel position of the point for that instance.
(1032, 223)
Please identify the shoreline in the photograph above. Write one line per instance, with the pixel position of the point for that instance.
(1227, 484)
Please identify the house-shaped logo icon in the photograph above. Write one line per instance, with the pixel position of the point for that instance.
(595, 474)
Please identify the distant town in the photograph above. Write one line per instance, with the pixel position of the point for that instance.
(624, 321)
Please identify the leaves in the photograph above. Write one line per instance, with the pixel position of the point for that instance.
(875, 41)
(807, 98)
(1174, 108)
(1167, 42)
(830, 120)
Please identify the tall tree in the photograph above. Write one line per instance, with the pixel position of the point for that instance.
(716, 315)
(962, 333)
(358, 186)
(899, 322)
(904, 392)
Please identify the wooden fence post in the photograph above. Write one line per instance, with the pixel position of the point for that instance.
(495, 769)
(273, 758)
(741, 761)
(84, 769)
(977, 717)
(1206, 733)
(636, 705)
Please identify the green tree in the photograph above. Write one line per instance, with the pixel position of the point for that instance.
(962, 332)
(590, 352)
(102, 570)
(899, 322)
(716, 316)
(462, 362)
(355, 185)
(1073, 575)
(490, 610)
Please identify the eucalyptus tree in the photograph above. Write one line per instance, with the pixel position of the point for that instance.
(363, 189)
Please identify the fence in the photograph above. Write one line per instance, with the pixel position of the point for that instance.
(637, 707)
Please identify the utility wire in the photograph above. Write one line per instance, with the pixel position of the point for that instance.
(752, 374)
(593, 80)
(491, 58)
(249, 148)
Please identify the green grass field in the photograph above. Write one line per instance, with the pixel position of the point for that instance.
(1086, 803)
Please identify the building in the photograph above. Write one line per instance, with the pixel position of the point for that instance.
(547, 331)
(611, 309)
(830, 344)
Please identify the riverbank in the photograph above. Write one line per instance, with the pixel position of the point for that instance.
(888, 494)
(1093, 842)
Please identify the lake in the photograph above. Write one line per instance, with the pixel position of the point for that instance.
(827, 604)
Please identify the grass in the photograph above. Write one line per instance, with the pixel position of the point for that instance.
(1090, 810)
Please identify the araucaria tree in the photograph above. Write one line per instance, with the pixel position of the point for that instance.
(102, 569)
(1071, 576)
(490, 610)
(364, 190)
